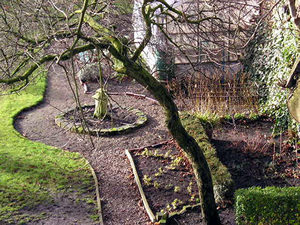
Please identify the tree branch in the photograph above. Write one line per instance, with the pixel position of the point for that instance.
(67, 55)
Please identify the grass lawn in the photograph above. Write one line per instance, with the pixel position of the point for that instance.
(31, 172)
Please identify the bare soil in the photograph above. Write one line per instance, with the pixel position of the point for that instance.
(247, 149)
(116, 117)
(169, 179)
(254, 157)
(172, 184)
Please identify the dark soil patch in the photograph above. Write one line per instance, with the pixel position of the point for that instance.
(169, 184)
(118, 120)
(166, 176)
(254, 157)
(116, 117)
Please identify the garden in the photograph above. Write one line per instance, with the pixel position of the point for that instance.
(133, 146)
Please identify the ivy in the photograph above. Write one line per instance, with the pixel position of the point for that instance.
(270, 58)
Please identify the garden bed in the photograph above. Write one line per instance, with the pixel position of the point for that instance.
(118, 120)
(252, 156)
(170, 185)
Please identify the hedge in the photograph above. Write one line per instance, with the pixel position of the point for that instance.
(268, 206)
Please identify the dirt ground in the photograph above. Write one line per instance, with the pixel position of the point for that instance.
(246, 149)
(254, 157)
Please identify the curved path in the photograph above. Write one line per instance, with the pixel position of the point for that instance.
(120, 197)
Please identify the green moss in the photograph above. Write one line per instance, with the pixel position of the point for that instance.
(294, 104)
(222, 181)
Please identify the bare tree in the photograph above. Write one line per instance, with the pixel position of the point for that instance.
(210, 33)
(33, 33)
(295, 12)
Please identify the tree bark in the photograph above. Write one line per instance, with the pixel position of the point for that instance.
(101, 103)
(293, 12)
(185, 141)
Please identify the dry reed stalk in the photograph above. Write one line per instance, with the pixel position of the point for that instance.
(224, 94)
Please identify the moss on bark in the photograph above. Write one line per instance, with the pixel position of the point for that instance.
(294, 103)
(222, 181)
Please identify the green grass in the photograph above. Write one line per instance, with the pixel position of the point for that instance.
(31, 172)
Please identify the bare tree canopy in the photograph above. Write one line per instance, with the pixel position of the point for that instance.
(206, 28)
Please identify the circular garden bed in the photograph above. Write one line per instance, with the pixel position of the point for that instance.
(118, 120)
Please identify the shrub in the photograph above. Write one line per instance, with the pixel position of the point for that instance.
(271, 205)
(165, 65)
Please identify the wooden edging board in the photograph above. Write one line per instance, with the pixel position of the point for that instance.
(138, 182)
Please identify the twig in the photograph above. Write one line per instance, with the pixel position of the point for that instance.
(136, 96)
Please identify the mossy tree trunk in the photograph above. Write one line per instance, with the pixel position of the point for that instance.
(101, 103)
(185, 141)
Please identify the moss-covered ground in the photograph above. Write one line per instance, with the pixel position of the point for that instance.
(199, 129)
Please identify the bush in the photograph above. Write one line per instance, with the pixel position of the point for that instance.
(165, 65)
(271, 205)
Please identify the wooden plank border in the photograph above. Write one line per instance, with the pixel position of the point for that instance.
(138, 182)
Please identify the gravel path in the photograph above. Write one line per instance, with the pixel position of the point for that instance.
(120, 197)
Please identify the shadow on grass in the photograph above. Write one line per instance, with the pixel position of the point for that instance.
(30, 173)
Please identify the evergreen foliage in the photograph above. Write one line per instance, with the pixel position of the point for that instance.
(268, 206)
(270, 58)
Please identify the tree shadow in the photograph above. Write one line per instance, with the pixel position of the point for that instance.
(249, 167)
